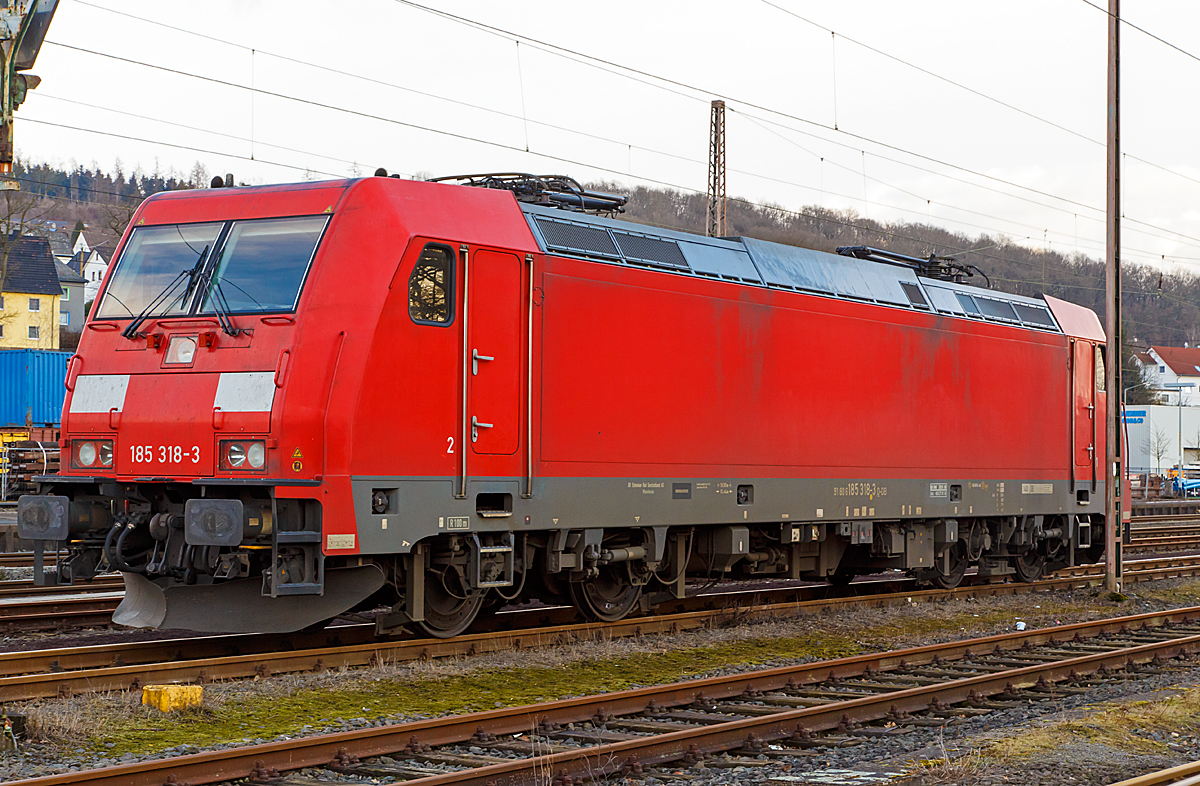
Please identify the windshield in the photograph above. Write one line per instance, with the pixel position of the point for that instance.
(263, 263)
(251, 266)
(154, 258)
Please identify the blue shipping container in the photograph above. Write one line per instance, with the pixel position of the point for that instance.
(31, 386)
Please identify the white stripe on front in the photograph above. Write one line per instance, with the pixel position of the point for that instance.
(99, 393)
(245, 392)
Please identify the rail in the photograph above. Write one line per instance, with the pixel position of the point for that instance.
(749, 713)
(66, 671)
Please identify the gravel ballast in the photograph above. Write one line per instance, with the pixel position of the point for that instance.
(73, 734)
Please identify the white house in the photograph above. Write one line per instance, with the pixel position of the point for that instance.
(92, 265)
(1166, 368)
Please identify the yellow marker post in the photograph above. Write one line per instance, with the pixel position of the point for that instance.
(172, 697)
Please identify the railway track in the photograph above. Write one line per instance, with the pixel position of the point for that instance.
(25, 589)
(68, 671)
(1166, 530)
(91, 604)
(1167, 510)
(23, 559)
(1162, 538)
(1183, 775)
(725, 721)
(61, 611)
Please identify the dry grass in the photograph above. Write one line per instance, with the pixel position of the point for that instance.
(953, 767)
(1116, 732)
(1124, 727)
(600, 664)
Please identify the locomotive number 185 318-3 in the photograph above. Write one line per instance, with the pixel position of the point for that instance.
(164, 454)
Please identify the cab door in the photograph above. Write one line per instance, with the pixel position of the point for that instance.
(1083, 412)
(494, 350)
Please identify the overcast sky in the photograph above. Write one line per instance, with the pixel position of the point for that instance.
(983, 117)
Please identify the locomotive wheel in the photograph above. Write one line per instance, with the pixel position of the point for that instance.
(450, 608)
(1030, 566)
(606, 598)
(958, 567)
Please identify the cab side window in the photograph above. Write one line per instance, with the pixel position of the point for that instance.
(431, 287)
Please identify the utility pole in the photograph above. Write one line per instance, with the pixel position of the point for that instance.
(23, 25)
(715, 226)
(1114, 460)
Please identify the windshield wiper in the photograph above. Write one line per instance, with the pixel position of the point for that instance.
(221, 307)
(217, 298)
(131, 330)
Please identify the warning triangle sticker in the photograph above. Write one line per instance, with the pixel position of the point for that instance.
(297, 454)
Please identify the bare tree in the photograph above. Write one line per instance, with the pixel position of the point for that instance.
(1157, 445)
(198, 177)
(20, 212)
(117, 215)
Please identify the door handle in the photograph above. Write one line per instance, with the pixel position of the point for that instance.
(475, 358)
(475, 426)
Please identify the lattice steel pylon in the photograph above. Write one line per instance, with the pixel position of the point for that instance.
(715, 226)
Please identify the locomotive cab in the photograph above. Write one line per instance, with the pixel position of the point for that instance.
(171, 449)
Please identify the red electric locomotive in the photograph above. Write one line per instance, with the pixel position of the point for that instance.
(432, 398)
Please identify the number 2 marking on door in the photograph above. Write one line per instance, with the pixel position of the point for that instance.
(449, 444)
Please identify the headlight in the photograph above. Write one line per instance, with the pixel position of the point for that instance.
(256, 454)
(87, 453)
(181, 350)
(244, 454)
(91, 453)
(236, 454)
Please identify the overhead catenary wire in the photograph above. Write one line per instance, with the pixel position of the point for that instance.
(411, 125)
(384, 83)
(563, 51)
(312, 103)
(898, 236)
(698, 93)
(755, 204)
(763, 122)
(647, 179)
(826, 219)
(574, 55)
(879, 231)
(185, 126)
(176, 145)
(506, 33)
(380, 118)
(677, 83)
(934, 74)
